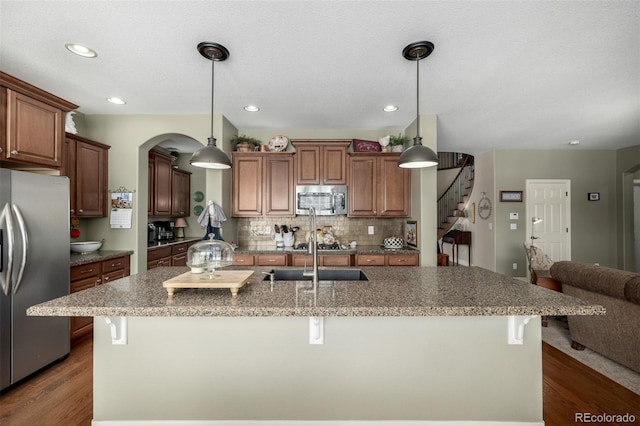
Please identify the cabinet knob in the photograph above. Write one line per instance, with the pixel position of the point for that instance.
(98, 281)
(14, 152)
(80, 211)
(72, 211)
(0, 150)
(106, 278)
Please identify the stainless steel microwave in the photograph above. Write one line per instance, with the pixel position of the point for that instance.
(326, 199)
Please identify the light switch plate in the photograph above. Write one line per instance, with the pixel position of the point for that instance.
(514, 216)
(370, 229)
(514, 226)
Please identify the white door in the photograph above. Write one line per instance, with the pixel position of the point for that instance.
(550, 200)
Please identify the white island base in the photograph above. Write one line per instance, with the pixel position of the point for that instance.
(259, 371)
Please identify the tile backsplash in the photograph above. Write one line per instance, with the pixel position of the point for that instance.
(252, 232)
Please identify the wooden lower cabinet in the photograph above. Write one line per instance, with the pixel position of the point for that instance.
(400, 259)
(159, 257)
(90, 275)
(243, 260)
(323, 260)
(272, 259)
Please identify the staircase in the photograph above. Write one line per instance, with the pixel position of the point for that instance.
(453, 201)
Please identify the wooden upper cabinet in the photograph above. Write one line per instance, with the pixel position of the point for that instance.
(262, 184)
(180, 193)
(321, 161)
(33, 124)
(86, 163)
(161, 183)
(377, 186)
(247, 186)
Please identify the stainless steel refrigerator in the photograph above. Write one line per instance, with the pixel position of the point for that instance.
(34, 267)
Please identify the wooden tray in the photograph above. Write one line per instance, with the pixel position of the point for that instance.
(233, 280)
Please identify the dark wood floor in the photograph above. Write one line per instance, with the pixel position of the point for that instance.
(63, 394)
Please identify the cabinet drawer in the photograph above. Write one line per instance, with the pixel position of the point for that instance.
(180, 248)
(370, 260)
(165, 261)
(179, 259)
(158, 253)
(272, 259)
(243, 260)
(85, 271)
(83, 284)
(336, 260)
(115, 264)
(300, 259)
(402, 260)
(112, 276)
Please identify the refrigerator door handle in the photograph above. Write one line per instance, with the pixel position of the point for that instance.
(25, 246)
(5, 281)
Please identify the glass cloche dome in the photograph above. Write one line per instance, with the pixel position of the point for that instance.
(207, 255)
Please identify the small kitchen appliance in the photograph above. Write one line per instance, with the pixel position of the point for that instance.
(328, 200)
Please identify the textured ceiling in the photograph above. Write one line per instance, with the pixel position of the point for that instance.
(503, 75)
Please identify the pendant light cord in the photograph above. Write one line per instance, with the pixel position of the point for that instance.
(418, 98)
(213, 64)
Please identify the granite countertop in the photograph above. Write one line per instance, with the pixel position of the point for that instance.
(175, 241)
(77, 259)
(390, 291)
(370, 249)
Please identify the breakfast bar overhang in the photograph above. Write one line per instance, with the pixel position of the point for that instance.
(411, 346)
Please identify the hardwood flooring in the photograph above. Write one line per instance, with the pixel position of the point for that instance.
(63, 394)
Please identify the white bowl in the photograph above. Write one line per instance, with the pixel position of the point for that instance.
(86, 246)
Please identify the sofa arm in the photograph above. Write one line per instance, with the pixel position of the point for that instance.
(598, 279)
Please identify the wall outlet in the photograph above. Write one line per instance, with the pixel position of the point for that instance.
(267, 229)
(515, 266)
(370, 230)
(514, 226)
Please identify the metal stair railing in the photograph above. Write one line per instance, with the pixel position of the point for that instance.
(460, 187)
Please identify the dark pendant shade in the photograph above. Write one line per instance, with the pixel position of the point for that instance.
(418, 156)
(210, 157)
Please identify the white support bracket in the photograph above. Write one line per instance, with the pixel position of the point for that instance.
(516, 325)
(118, 326)
(316, 330)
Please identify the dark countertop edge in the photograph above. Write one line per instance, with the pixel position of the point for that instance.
(172, 242)
(96, 256)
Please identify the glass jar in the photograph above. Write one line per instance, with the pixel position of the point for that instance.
(207, 255)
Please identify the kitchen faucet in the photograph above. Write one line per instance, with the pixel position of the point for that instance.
(313, 248)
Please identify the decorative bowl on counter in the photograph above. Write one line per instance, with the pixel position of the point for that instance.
(86, 246)
(393, 243)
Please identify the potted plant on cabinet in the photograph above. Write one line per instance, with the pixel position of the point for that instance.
(243, 143)
(397, 143)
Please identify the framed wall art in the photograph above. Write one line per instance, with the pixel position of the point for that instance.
(411, 233)
(511, 196)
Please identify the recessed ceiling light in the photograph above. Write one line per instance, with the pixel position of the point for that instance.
(390, 108)
(574, 143)
(251, 108)
(117, 101)
(81, 50)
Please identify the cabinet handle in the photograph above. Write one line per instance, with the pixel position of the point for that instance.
(98, 281)
(116, 264)
(80, 211)
(369, 260)
(1, 150)
(86, 271)
(402, 260)
(271, 260)
(72, 211)
(14, 152)
(240, 260)
(160, 262)
(106, 278)
(179, 257)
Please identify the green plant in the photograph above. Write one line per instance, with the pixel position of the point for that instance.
(398, 140)
(236, 139)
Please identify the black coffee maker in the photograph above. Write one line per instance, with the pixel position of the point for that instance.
(164, 230)
(151, 233)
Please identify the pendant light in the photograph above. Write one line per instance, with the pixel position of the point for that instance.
(210, 156)
(418, 155)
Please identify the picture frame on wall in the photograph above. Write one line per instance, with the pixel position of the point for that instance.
(511, 196)
(411, 233)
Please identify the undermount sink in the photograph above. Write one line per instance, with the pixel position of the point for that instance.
(323, 275)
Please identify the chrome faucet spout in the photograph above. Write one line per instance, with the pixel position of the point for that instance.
(313, 248)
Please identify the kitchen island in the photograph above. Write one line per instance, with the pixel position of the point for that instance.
(421, 345)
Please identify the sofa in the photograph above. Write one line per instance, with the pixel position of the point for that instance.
(615, 335)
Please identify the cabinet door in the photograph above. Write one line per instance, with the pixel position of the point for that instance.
(246, 191)
(403, 259)
(362, 186)
(35, 131)
(334, 165)
(272, 259)
(68, 168)
(151, 187)
(336, 260)
(394, 188)
(91, 180)
(303, 260)
(79, 326)
(279, 188)
(165, 261)
(180, 193)
(370, 260)
(308, 165)
(243, 260)
(162, 186)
